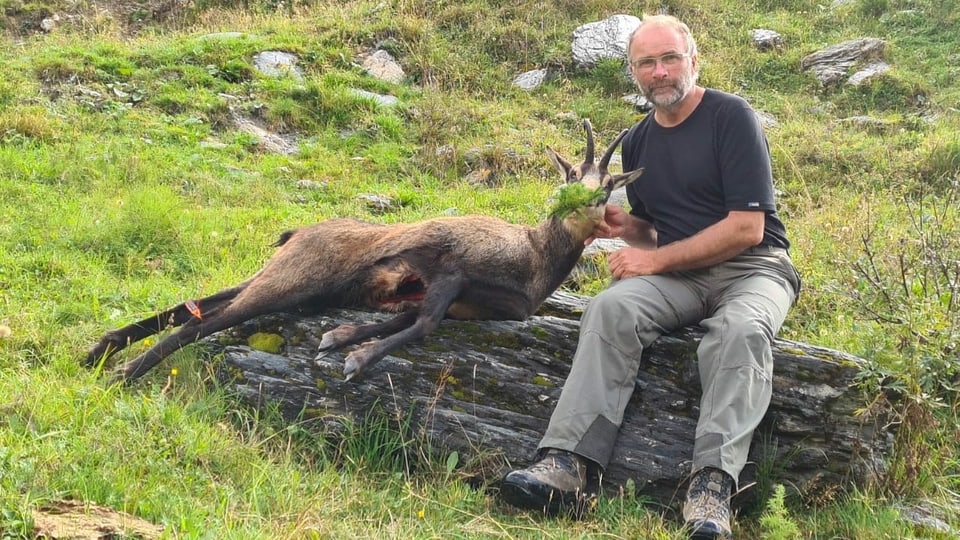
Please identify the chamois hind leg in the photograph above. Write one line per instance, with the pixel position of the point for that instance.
(117, 340)
(440, 295)
(351, 334)
(191, 332)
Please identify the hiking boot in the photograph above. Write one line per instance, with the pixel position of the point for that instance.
(555, 482)
(707, 509)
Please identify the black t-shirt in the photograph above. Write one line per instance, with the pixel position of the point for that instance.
(716, 161)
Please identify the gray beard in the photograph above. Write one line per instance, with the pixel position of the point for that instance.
(683, 86)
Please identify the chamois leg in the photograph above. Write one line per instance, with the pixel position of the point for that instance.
(440, 295)
(191, 332)
(117, 340)
(351, 334)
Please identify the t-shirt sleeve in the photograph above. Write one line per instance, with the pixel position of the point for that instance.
(631, 162)
(636, 207)
(744, 160)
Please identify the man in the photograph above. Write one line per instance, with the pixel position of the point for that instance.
(707, 247)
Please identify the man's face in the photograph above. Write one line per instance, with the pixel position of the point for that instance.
(661, 66)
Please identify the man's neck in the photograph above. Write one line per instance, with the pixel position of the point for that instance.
(674, 116)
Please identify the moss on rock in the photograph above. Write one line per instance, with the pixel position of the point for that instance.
(266, 342)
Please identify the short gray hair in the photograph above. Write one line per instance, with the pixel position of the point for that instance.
(668, 21)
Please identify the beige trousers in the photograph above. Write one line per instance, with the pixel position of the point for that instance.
(740, 303)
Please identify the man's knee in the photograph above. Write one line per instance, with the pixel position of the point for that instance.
(750, 331)
(608, 300)
(612, 316)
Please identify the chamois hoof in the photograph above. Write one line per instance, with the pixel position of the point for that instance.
(351, 368)
(356, 363)
(338, 338)
(327, 343)
(92, 359)
(99, 354)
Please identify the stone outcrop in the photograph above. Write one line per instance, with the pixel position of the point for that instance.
(486, 390)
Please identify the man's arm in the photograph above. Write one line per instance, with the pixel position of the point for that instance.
(617, 223)
(717, 243)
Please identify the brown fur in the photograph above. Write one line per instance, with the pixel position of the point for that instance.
(472, 267)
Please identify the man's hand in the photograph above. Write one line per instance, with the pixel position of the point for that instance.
(614, 223)
(629, 262)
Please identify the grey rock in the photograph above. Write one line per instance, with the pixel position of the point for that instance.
(267, 140)
(815, 432)
(446, 151)
(383, 66)
(868, 72)
(638, 101)
(379, 204)
(619, 196)
(766, 40)
(386, 101)
(530, 80)
(867, 122)
(481, 177)
(604, 245)
(923, 516)
(311, 185)
(474, 159)
(830, 65)
(593, 42)
(49, 23)
(766, 119)
(277, 64)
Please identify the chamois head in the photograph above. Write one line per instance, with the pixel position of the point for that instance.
(594, 176)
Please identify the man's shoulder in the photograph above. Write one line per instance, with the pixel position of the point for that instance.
(637, 129)
(721, 100)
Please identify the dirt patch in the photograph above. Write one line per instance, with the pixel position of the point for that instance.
(82, 521)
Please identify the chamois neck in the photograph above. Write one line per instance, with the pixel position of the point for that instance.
(580, 224)
(567, 234)
(556, 247)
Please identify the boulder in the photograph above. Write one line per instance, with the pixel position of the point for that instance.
(486, 389)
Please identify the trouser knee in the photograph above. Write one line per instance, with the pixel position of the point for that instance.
(613, 313)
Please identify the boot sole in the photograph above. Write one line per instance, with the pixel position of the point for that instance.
(550, 502)
(706, 531)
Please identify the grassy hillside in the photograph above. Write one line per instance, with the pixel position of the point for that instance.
(126, 187)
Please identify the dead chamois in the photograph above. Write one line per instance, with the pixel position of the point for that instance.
(470, 267)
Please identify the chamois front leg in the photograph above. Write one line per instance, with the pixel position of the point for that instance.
(117, 340)
(191, 332)
(351, 334)
(440, 295)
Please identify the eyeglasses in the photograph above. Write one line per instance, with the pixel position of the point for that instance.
(667, 60)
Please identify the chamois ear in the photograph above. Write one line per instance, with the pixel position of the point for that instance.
(620, 180)
(562, 165)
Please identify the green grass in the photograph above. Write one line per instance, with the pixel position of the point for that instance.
(125, 188)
